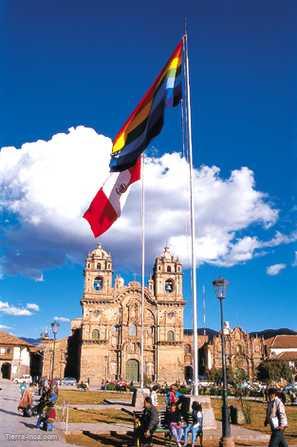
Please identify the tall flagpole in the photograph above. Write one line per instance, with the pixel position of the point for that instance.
(192, 212)
(204, 309)
(142, 273)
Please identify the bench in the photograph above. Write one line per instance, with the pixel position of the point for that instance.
(161, 428)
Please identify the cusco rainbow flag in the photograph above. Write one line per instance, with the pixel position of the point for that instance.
(146, 121)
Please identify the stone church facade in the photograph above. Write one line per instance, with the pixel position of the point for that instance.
(106, 340)
(110, 327)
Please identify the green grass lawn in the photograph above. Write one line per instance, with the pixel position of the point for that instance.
(258, 411)
(108, 416)
(90, 397)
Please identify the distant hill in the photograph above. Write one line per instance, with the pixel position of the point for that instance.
(210, 332)
(268, 333)
(32, 341)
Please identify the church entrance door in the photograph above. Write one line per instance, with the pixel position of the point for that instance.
(132, 370)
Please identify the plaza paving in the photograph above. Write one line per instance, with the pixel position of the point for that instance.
(17, 431)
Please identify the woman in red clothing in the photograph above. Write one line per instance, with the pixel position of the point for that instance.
(172, 395)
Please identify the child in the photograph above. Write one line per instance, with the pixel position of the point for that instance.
(174, 422)
(197, 426)
(50, 417)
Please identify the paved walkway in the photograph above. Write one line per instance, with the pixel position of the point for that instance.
(17, 431)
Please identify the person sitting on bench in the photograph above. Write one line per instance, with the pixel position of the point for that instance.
(197, 425)
(174, 422)
(147, 423)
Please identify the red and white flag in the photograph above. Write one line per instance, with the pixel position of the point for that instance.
(109, 201)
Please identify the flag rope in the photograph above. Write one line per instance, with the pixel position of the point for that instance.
(142, 207)
(192, 212)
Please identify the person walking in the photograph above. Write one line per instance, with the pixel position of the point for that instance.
(277, 419)
(172, 395)
(196, 427)
(154, 395)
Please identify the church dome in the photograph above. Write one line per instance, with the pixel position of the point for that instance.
(99, 252)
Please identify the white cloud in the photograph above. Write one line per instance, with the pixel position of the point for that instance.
(275, 269)
(3, 326)
(15, 311)
(62, 319)
(32, 306)
(48, 185)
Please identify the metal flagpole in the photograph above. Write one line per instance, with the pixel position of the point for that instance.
(204, 309)
(192, 212)
(142, 273)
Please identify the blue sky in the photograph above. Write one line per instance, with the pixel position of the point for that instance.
(68, 64)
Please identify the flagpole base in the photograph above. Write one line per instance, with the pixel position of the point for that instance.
(209, 420)
(227, 441)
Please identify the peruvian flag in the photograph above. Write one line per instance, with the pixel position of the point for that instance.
(109, 201)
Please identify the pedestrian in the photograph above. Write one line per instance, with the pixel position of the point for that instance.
(154, 395)
(50, 417)
(172, 395)
(174, 423)
(25, 404)
(277, 419)
(196, 427)
(147, 423)
(22, 388)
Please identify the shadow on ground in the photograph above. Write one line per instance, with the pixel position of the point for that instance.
(116, 439)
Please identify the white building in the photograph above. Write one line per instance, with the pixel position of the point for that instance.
(283, 347)
(14, 356)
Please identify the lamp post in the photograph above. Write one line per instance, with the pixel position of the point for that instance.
(55, 328)
(220, 286)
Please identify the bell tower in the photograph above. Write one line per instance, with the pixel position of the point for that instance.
(98, 273)
(168, 277)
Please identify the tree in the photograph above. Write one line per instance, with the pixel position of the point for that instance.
(273, 371)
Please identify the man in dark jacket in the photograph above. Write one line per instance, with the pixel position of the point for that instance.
(147, 423)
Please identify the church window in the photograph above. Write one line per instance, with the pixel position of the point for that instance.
(89, 265)
(98, 283)
(132, 330)
(239, 349)
(169, 286)
(168, 268)
(170, 336)
(98, 266)
(114, 330)
(95, 334)
(96, 313)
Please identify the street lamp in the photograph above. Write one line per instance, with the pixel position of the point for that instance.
(55, 328)
(220, 286)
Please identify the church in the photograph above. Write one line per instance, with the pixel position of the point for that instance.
(106, 340)
(110, 327)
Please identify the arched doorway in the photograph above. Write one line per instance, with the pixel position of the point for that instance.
(6, 371)
(189, 374)
(132, 370)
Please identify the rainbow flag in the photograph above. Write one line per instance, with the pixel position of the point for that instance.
(146, 121)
